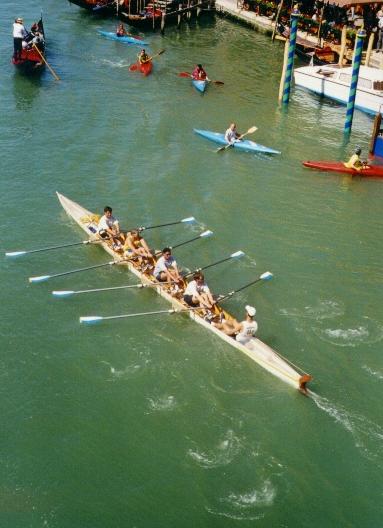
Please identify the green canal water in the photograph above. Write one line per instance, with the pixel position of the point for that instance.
(154, 422)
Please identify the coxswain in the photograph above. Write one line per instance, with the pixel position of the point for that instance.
(136, 246)
(109, 228)
(355, 162)
(231, 134)
(197, 293)
(120, 31)
(143, 57)
(199, 73)
(244, 331)
(19, 34)
(166, 269)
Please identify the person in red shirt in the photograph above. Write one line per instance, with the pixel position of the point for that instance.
(199, 73)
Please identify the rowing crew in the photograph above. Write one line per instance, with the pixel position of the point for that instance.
(196, 294)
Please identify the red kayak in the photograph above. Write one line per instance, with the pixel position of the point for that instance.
(371, 171)
(144, 67)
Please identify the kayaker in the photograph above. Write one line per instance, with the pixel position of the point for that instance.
(197, 293)
(199, 73)
(242, 331)
(19, 34)
(231, 134)
(120, 31)
(109, 228)
(166, 269)
(143, 57)
(355, 162)
(136, 246)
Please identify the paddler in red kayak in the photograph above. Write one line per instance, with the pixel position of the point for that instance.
(199, 73)
(143, 57)
(355, 162)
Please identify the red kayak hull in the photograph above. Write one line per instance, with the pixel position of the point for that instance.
(372, 171)
(146, 68)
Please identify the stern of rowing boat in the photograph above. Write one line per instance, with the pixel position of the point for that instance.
(303, 380)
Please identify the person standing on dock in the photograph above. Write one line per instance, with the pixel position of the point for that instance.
(199, 73)
(19, 34)
(243, 331)
(231, 134)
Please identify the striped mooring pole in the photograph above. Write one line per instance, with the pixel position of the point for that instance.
(290, 57)
(357, 58)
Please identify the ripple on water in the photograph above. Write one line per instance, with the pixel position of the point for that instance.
(220, 455)
(162, 403)
(365, 333)
(375, 373)
(325, 309)
(246, 505)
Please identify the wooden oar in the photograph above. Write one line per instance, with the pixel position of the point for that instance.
(46, 62)
(190, 76)
(250, 131)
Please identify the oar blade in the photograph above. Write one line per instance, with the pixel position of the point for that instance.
(133, 67)
(63, 293)
(207, 233)
(184, 74)
(266, 276)
(15, 253)
(218, 82)
(41, 278)
(91, 319)
(252, 129)
(237, 254)
(188, 220)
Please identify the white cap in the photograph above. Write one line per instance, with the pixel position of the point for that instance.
(250, 310)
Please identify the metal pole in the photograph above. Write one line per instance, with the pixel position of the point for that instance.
(361, 35)
(290, 58)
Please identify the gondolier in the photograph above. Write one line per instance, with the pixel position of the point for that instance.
(243, 331)
(19, 34)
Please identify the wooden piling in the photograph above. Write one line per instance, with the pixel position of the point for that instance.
(179, 16)
(369, 49)
(343, 45)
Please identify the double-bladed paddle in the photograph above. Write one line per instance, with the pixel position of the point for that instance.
(190, 76)
(250, 131)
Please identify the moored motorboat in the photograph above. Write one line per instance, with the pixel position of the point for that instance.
(334, 82)
(99, 7)
(255, 349)
(200, 84)
(371, 171)
(31, 60)
(126, 39)
(246, 145)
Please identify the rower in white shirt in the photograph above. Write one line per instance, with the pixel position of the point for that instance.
(231, 134)
(166, 269)
(197, 293)
(243, 331)
(109, 227)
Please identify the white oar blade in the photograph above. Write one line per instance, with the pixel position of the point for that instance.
(266, 276)
(91, 319)
(188, 220)
(42, 278)
(206, 233)
(63, 293)
(237, 254)
(15, 253)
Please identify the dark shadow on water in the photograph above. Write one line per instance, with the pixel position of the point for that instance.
(25, 90)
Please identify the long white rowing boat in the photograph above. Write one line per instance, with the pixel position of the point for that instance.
(255, 349)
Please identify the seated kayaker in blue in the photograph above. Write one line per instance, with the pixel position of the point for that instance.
(143, 57)
(120, 31)
(199, 73)
(355, 162)
(231, 134)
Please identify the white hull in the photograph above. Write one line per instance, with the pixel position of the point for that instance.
(258, 351)
(334, 82)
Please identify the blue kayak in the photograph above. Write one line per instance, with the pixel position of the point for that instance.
(199, 85)
(125, 39)
(245, 144)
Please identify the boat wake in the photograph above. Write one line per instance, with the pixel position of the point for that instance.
(128, 372)
(245, 505)
(325, 309)
(221, 455)
(364, 431)
(114, 64)
(366, 333)
(375, 373)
